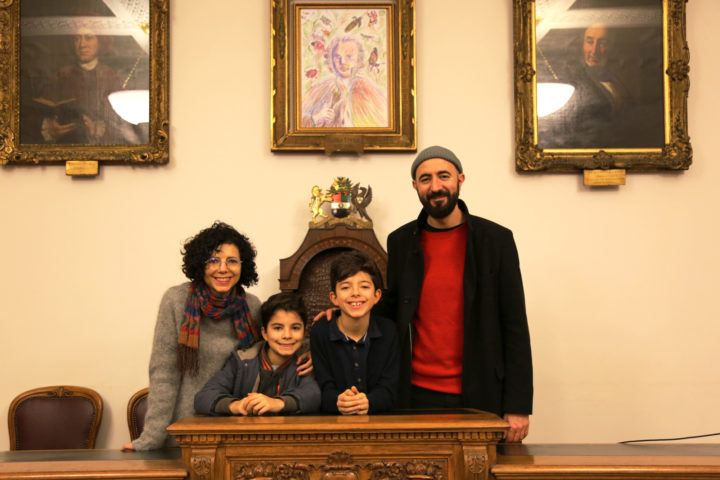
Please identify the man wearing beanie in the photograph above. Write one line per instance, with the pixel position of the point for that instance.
(455, 291)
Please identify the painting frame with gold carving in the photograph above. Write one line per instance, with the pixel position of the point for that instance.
(607, 121)
(58, 66)
(343, 76)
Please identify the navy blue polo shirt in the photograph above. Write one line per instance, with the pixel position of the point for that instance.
(354, 354)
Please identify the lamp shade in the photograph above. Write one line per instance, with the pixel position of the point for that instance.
(132, 105)
(551, 97)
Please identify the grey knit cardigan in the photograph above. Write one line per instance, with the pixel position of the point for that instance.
(171, 394)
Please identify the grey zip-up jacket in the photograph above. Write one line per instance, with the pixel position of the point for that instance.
(241, 375)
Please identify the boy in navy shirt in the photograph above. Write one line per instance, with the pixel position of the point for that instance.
(355, 353)
(263, 378)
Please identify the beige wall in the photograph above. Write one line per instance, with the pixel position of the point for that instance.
(621, 283)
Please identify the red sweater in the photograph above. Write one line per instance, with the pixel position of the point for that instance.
(438, 342)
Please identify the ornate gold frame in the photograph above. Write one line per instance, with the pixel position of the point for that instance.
(82, 159)
(676, 153)
(286, 132)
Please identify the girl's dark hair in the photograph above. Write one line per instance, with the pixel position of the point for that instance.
(290, 302)
(198, 249)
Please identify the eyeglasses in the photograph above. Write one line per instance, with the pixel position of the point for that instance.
(232, 263)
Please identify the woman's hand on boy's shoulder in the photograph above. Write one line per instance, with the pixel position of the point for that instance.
(304, 364)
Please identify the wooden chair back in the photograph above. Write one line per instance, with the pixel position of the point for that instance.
(55, 417)
(136, 410)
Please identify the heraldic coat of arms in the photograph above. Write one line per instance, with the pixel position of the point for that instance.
(347, 205)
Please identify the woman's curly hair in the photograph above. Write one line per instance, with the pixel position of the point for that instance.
(198, 249)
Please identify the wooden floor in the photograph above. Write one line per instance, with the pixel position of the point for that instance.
(611, 461)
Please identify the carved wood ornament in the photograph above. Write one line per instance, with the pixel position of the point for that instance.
(340, 466)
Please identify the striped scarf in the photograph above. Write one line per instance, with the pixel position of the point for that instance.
(271, 379)
(202, 302)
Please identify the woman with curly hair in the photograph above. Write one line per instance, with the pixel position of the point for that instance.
(199, 324)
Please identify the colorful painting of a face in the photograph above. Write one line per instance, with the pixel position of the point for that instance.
(344, 66)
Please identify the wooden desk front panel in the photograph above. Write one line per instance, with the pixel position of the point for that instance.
(323, 460)
(418, 447)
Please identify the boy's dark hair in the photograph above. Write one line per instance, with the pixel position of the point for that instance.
(351, 262)
(290, 302)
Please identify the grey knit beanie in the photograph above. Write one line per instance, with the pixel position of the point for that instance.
(435, 152)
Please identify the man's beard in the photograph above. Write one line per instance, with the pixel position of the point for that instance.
(441, 210)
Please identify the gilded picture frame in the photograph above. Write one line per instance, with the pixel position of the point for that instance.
(343, 76)
(627, 65)
(84, 82)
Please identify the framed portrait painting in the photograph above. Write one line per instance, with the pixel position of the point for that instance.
(601, 84)
(343, 76)
(83, 82)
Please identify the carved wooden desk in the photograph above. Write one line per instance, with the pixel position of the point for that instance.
(91, 464)
(417, 446)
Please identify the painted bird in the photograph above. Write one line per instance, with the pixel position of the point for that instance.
(356, 22)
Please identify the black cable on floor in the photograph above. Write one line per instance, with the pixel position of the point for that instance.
(670, 439)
